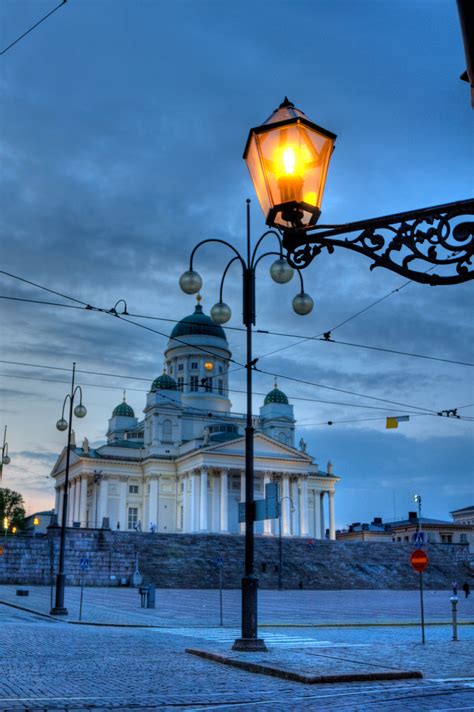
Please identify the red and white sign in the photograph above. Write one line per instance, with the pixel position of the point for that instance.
(419, 560)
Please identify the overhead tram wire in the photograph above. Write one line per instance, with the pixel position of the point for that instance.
(229, 359)
(200, 410)
(345, 321)
(141, 378)
(257, 331)
(12, 44)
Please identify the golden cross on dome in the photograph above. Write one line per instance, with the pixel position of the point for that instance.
(124, 395)
(198, 298)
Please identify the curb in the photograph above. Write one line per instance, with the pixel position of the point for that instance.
(272, 671)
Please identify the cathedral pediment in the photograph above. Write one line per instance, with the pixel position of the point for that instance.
(264, 446)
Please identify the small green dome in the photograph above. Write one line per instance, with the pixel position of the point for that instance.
(198, 323)
(164, 383)
(124, 410)
(275, 396)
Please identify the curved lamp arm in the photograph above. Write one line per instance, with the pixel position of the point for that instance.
(222, 242)
(223, 276)
(278, 254)
(262, 237)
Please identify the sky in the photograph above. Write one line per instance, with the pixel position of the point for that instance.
(122, 128)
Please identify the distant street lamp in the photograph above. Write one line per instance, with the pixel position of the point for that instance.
(288, 159)
(5, 459)
(79, 411)
(417, 499)
(280, 551)
(191, 282)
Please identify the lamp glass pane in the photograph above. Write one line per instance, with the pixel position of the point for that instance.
(289, 163)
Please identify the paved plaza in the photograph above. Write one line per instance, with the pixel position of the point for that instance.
(195, 607)
(51, 664)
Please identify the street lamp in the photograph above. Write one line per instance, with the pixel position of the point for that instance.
(417, 499)
(288, 159)
(5, 459)
(280, 553)
(191, 282)
(79, 411)
(6, 524)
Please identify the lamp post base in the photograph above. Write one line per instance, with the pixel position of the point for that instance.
(59, 611)
(250, 645)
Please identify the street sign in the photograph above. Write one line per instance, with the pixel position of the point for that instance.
(219, 562)
(418, 538)
(264, 508)
(84, 564)
(419, 560)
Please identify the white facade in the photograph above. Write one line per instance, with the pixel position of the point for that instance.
(182, 468)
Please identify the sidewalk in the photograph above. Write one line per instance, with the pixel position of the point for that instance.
(195, 607)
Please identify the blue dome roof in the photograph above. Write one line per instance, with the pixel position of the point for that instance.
(198, 323)
(164, 383)
(124, 410)
(275, 396)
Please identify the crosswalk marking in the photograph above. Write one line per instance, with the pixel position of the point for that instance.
(278, 640)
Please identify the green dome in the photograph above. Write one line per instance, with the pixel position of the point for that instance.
(275, 396)
(198, 323)
(123, 410)
(164, 383)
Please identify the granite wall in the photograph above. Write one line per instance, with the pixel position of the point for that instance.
(189, 561)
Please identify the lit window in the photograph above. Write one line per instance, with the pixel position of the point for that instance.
(208, 365)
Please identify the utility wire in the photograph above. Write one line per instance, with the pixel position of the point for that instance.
(229, 359)
(139, 378)
(33, 27)
(257, 331)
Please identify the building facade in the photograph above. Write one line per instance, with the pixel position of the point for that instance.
(182, 467)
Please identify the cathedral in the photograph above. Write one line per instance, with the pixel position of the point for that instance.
(181, 469)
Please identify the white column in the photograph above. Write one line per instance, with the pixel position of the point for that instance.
(77, 500)
(267, 523)
(224, 517)
(193, 503)
(242, 496)
(83, 502)
(152, 503)
(70, 504)
(321, 510)
(304, 507)
(317, 514)
(60, 503)
(332, 521)
(203, 518)
(102, 504)
(56, 501)
(185, 505)
(285, 506)
(295, 517)
(123, 514)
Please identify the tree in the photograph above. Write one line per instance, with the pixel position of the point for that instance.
(12, 507)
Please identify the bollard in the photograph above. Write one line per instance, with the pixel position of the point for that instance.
(454, 606)
(143, 591)
(151, 596)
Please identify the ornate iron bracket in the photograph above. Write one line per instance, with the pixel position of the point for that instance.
(408, 243)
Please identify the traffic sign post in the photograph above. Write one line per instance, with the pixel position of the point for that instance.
(419, 561)
(220, 566)
(84, 565)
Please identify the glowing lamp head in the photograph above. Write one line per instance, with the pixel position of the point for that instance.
(6, 522)
(288, 159)
(36, 521)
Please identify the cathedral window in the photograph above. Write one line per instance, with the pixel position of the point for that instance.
(220, 386)
(180, 383)
(167, 430)
(180, 366)
(133, 489)
(194, 364)
(194, 385)
(207, 384)
(132, 517)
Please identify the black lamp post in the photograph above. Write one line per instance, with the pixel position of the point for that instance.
(5, 458)
(79, 411)
(288, 158)
(191, 282)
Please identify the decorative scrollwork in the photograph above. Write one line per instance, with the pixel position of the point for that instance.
(406, 243)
